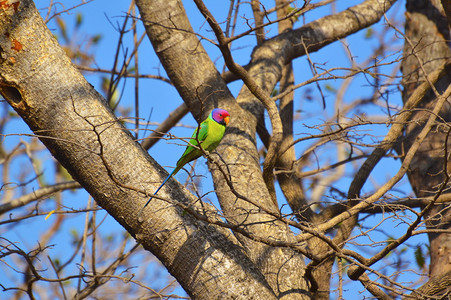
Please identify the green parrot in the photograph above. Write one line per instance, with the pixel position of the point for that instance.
(209, 134)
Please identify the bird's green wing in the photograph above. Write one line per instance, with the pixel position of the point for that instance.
(203, 132)
(209, 134)
(192, 152)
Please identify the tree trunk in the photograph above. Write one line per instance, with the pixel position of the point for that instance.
(75, 124)
(254, 255)
(202, 88)
(426, 49)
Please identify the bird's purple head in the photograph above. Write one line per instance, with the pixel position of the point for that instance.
(220, 115)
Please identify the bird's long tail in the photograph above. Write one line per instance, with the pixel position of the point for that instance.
(158, 189)
(148, 201)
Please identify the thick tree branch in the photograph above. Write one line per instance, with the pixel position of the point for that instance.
(290, 183)
(257, 91)
(426, 47)
(76, 125)
(38, 194)
(435, 286)
(353, 211)
(201, 86)
(395, 131)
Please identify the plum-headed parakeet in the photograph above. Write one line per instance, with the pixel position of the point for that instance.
(209, 134)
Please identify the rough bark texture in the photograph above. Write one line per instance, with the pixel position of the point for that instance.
(267, 64)
(197, 81)
(289, 182)
(427, 49)
(74, 122)
(238, 147)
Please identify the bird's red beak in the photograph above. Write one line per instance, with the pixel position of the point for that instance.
(226, 120)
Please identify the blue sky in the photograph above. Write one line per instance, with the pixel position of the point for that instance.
(102, 17)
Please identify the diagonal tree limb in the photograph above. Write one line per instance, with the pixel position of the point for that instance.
(86, 138)
(257, 91)
(354, 210)
(391, 138)
(194, 75)
(290, 183)
(38, 194)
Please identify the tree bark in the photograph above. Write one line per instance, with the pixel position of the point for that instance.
(209, 258)
(179, 50)
(426, 49)
(266, 66)
(76, 125)
(201, 86)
